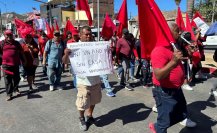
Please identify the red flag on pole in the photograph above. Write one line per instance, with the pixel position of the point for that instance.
(197, 14)
(49, 31)
(154, 29)
(69, 27)
(179, 20)
(189, 27)
(122, 18)
(23, 28)
(83, 5)
(57, 26)
(108, 27)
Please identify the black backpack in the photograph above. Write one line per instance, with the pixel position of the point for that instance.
(215, 56)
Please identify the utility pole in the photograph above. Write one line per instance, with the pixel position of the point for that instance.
(1, 21)
(213, 10)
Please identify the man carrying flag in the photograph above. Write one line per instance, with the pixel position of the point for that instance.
(168, 71)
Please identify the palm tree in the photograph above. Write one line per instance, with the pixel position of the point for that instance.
(190, 8)
(178, 2)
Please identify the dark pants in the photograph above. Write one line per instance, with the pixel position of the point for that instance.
(171, 106)
(146, 73)
(11, 81)
(125, 63)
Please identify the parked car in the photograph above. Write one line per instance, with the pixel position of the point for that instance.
(211, 42)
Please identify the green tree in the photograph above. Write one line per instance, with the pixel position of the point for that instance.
(206, 8)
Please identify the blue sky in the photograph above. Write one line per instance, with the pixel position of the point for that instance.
(23, 6)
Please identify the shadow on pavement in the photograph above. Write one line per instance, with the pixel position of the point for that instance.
(204, 122)
(128, 114)
(30, 95)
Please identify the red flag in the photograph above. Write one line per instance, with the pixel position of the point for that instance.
(179, 20)
(108, 27)
(57, 26)
(154, 29)
(49, 31)
(122, 18)
(83, 5)
(197, 14)
(189, 27)
(69, 27)
(23, 28)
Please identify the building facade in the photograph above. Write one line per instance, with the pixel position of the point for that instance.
(62, 14)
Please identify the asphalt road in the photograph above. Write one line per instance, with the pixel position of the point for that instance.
(129, 112)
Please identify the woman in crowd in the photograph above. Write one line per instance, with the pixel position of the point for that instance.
(31, 50)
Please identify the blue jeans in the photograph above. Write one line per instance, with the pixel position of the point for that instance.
(106, 83)
(22, 71)
(125, 63)
(54, 75)
(75, 81)
(171, 106)
(132, 68)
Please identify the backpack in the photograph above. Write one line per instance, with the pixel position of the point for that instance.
(61, 43)
(215, 56)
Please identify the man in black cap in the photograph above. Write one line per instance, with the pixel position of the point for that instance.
(186, 48)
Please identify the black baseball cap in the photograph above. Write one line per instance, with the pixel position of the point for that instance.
(187, 36)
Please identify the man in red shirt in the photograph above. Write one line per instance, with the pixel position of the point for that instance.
(168, 78)
(124, 51)
(11, 55)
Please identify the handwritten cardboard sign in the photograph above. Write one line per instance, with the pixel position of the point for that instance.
(90, 58)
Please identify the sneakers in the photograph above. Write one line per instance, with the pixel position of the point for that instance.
(34, 86)
(51, 88)
(8, 98)
(90, 120)
(152, 128)
(188, 123)
(82, 124)
(214, 93)
(118, 76)
(134, 79)
(110, 94)
(129, 88)
(154, 109)
(187, 87)
(22, 79)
